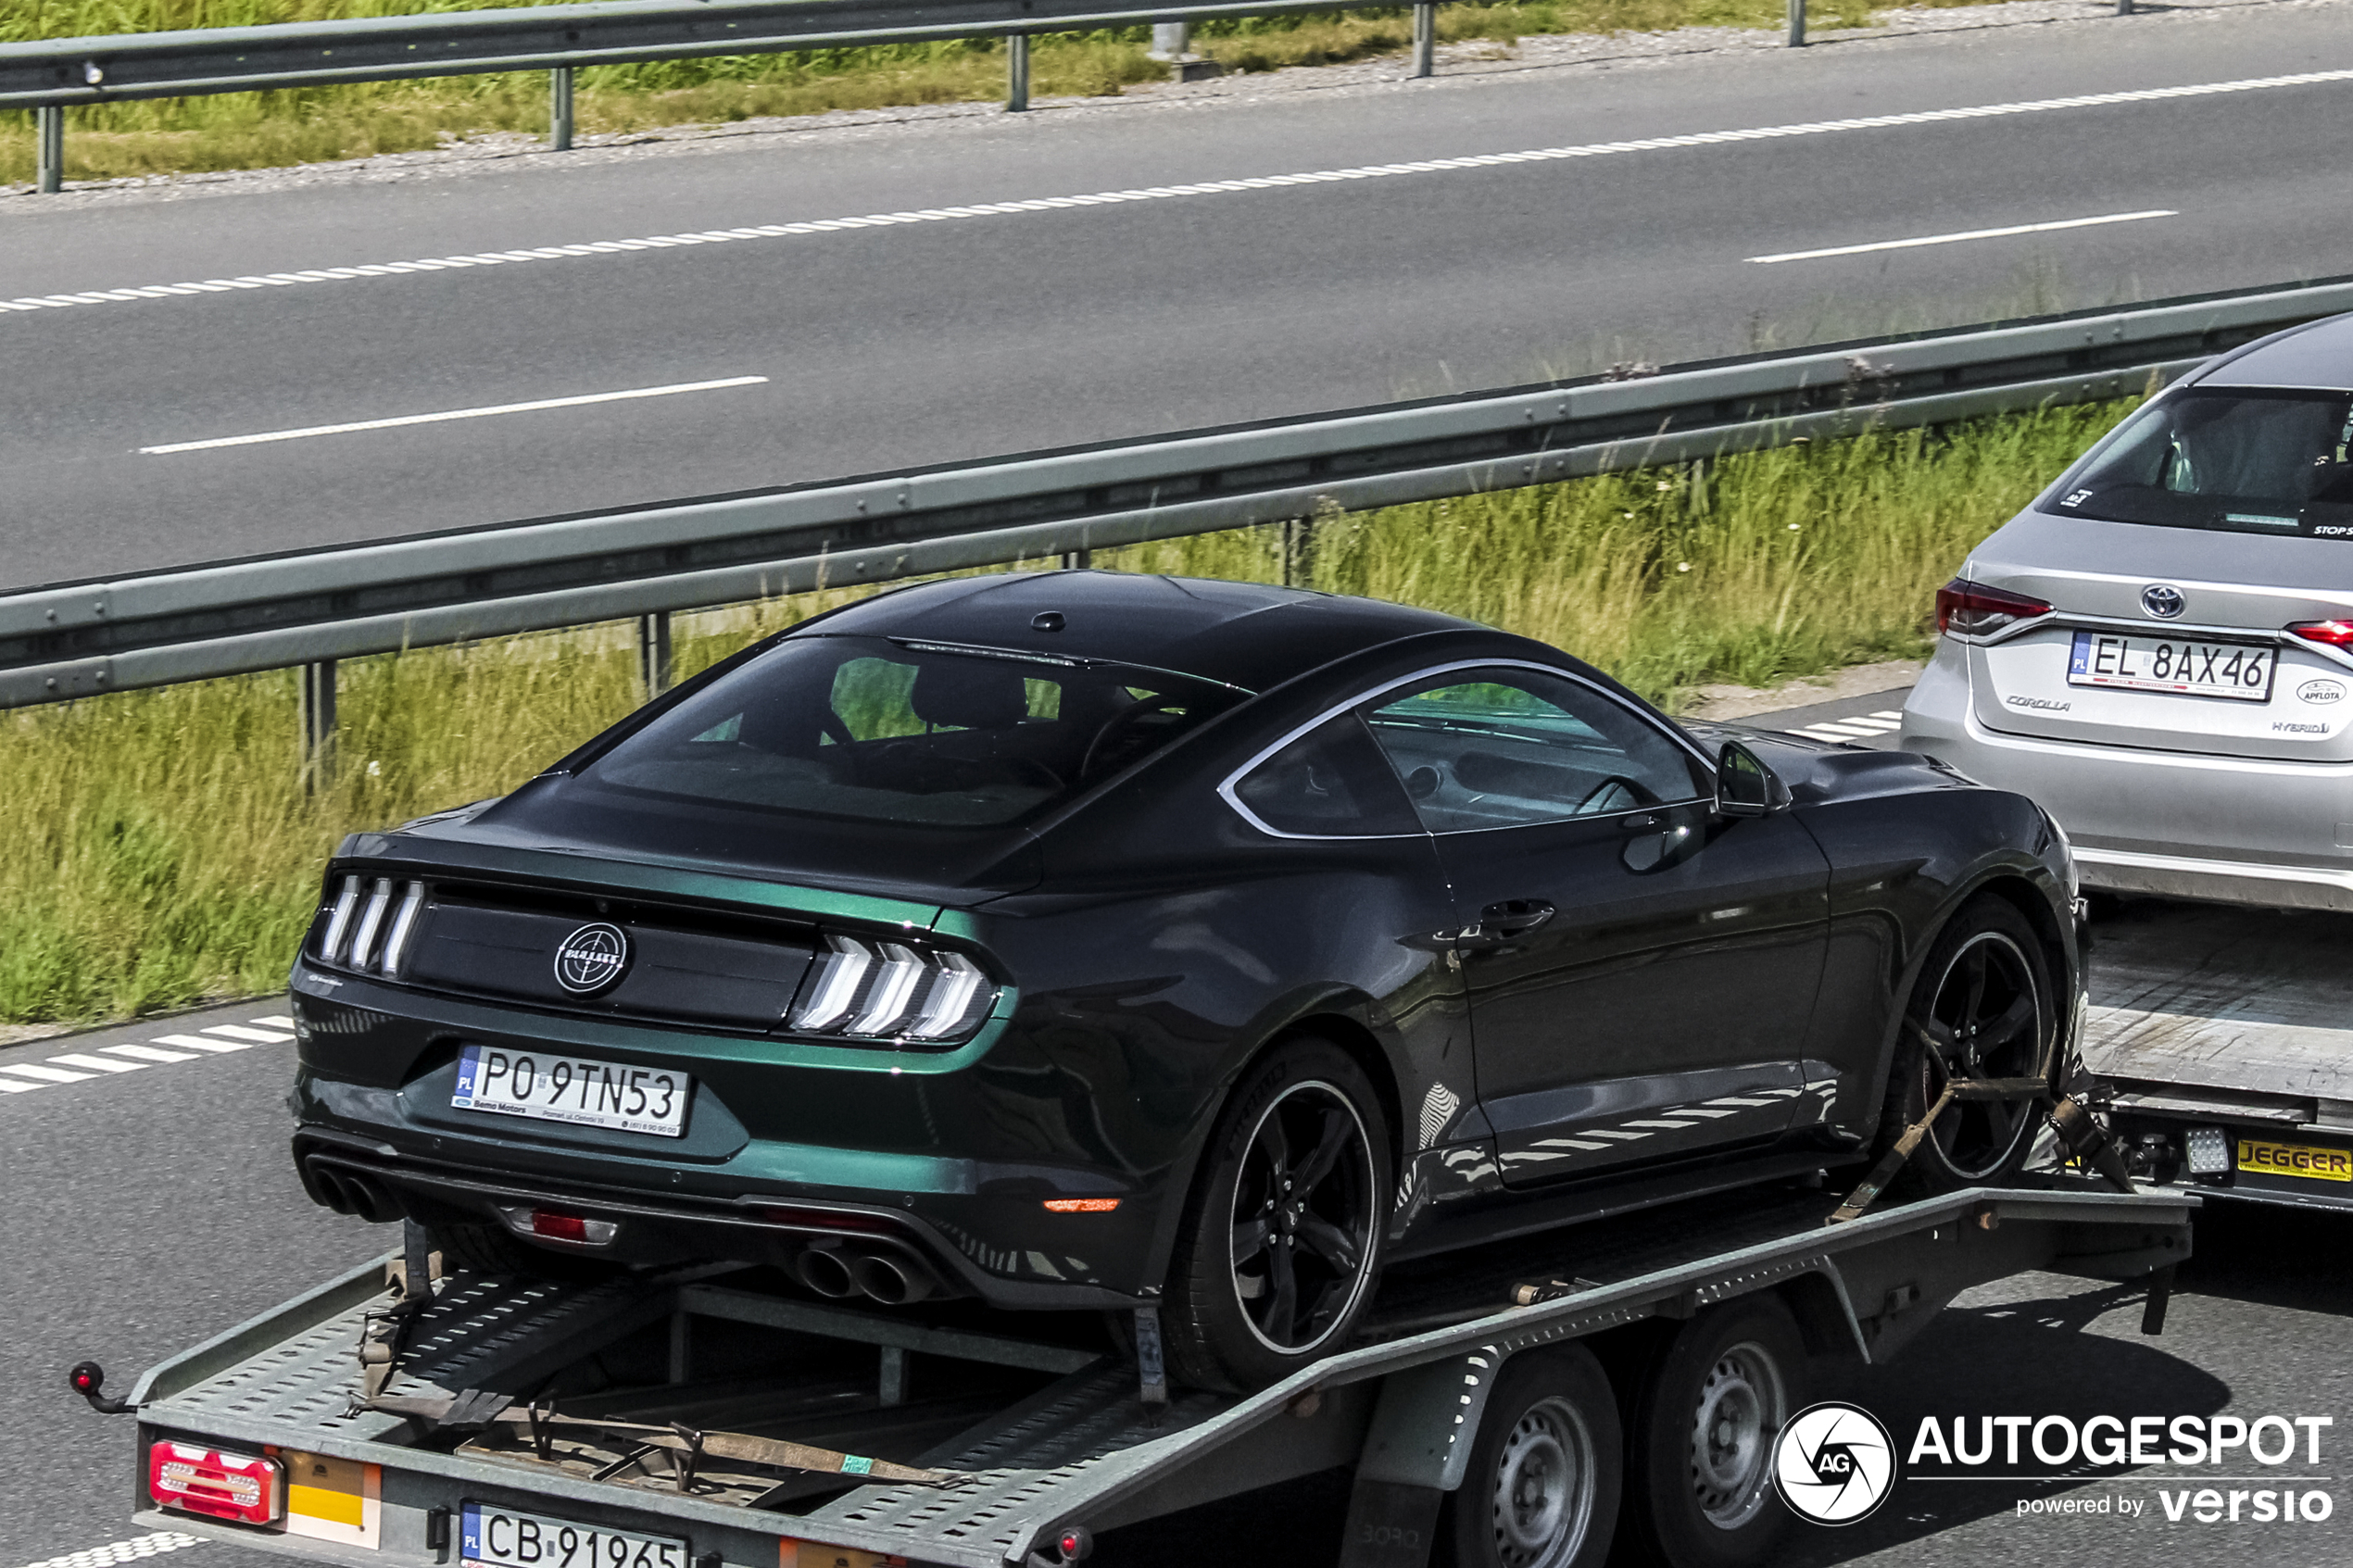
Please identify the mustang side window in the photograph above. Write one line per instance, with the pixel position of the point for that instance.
(1499, 748)
(1330, 782)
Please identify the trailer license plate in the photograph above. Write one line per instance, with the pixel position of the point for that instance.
(2296, 1159)
(572, 1089)
(507, 1538)
(2171, 664)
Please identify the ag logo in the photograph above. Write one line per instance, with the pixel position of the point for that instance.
(591, 958)
(1833, 1464)
(2161, 601)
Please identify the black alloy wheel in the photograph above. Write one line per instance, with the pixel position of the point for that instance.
(1983, 1008)
(1542, 1486)
(1282, 1237)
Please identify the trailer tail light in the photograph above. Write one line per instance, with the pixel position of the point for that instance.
(1971, 609)
(218, 1482)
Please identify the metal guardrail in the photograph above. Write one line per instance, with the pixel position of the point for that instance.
(78, 639)
(49, 75)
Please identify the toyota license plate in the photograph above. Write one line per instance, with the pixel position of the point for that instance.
(508, 1537)
(572, 1089)
(2239, 670)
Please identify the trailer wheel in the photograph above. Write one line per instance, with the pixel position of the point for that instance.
(1545, 1474)
(1700, 1462)
(1281, 1237)
(1983, 1008)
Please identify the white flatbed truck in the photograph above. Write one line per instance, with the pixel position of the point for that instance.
(523, 1417)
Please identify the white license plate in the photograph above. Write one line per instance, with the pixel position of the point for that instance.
(572, 1089)
(507, 1538)
(2171, 664)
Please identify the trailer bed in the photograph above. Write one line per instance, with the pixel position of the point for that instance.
(1037, 1419)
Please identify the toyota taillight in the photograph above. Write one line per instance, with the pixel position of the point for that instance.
(249, 1488)
(1971, 609)
(875, 989)
(2330, 633)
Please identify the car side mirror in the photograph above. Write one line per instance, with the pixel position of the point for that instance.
(1744, 786)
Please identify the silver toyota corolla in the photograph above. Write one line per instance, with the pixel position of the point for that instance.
(2159, 649)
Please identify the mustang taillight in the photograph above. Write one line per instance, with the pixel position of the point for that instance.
(249, 1488)
(370, 924)
(891, 990)
(1971, 609)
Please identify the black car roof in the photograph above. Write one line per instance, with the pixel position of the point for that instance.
(1248, 635)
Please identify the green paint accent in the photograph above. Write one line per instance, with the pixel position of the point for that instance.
(857, 1464)
(599, 872)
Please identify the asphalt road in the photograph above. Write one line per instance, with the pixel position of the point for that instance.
(961, 336)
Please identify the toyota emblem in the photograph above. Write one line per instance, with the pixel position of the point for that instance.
(591, 958)
(2162, 601)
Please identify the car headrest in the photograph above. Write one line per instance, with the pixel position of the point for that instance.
(968, 695)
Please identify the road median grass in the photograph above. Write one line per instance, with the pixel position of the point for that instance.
(311, 125)
(162, 850)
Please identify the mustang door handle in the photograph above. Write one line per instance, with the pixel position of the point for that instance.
(1512, 917)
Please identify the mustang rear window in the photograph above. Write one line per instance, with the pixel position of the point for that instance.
(881, 729)
(2235, 460)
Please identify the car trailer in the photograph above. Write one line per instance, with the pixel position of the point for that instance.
(532, 1423)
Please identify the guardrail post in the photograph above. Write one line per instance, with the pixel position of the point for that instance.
(49, 132)
(1077, 560)
(653, 653)
(1299, 552)
(315, 714)
(1426, 39)
(1170, 39)
(1797, 24)
(560, 109)
(1017, 72)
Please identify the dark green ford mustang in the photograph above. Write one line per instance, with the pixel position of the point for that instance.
(1081, 940)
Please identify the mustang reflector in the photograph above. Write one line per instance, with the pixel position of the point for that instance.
(220, 1482)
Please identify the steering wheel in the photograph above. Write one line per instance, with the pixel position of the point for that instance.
(1120, 723)
(1616, 793)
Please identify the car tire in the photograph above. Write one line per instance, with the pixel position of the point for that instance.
(1698, 1484)
(1543, 1484)
(1986, 966)
(1294, 1185)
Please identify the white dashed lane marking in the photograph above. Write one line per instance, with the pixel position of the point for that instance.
(118, 1552)
(1866, 727)
(80, 1067)
(1166, 193)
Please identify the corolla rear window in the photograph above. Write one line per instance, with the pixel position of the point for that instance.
(888, 730)
(2236, 460)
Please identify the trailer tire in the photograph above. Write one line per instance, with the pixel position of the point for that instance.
(1546, 1472)
(1974, 1143)
(1707, 1416)
(1328, 1136)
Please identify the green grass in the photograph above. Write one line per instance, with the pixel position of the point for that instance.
(310, 125)
(161, 850)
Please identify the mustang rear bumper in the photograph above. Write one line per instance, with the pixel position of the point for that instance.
(359, 1176)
